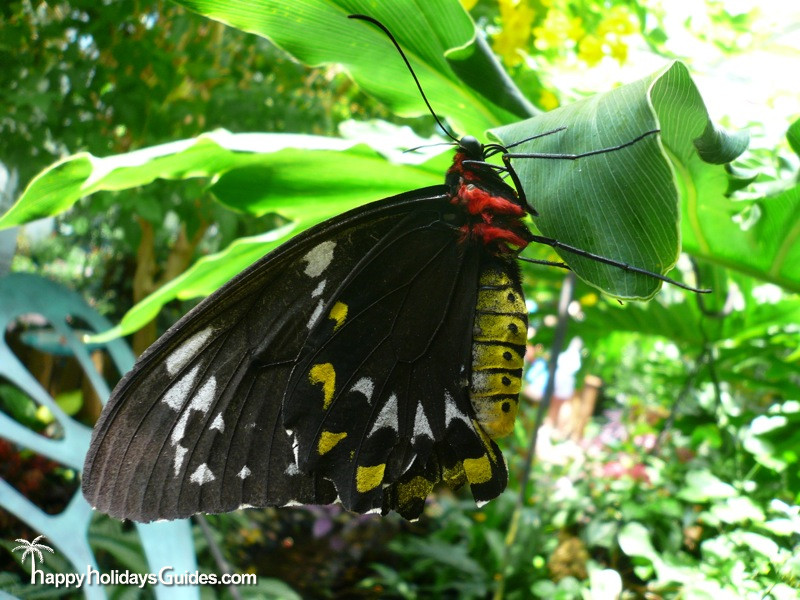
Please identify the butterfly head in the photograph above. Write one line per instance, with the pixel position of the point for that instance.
(471, 147)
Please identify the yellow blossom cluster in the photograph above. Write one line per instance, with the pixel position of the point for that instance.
(559, 30)
(516, 17)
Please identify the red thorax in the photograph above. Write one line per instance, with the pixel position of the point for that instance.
(493, 207)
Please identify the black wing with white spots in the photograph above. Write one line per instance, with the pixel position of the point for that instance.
(335, 367)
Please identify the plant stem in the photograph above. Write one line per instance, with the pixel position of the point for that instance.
(222, 564)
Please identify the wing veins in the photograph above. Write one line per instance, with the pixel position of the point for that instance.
(224, 397)
(220, 342)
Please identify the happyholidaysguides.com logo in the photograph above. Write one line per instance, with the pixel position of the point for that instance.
(92, 576)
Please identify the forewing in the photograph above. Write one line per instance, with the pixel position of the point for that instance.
(197, 425)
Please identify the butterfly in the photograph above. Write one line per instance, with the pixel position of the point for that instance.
(365, 361)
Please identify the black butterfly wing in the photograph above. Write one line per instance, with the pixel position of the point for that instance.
(198, 424)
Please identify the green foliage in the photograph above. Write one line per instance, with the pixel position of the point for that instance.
(113, 78)
(687, 484)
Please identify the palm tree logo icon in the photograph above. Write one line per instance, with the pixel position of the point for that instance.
(33, 548)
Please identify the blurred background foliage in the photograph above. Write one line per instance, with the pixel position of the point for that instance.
(684, 480)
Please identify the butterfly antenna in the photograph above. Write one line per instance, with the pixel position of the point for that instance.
(415, 148)
(411, 70)
(558, 156)
(493, 149)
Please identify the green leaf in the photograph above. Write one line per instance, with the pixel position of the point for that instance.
(306, 179)
(318, 32)
(738, 510)
(717, 147)
(754, 541)
(793, 136)
(58, 187)
(304, 186)
(760, 238)
(622, 204)
(70, 402)
(784, 527)
(702, 486)
(634, 540)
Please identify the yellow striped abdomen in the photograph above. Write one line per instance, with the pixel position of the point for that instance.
(498, 349)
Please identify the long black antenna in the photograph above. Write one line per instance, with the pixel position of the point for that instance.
(411, 70)
(556, 156)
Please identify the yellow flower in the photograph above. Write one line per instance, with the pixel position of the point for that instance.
(468, 4)
(619, 49)
(590, 50)
(548, 100)
(619, 20)
(589, 299)
(556, 29)
(576, 30)
(252, 536)
(516, 17)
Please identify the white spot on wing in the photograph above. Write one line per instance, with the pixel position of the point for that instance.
(293, 503)
(319, 289)
(218, 424)
(180, 454)
(202, 475)
(388, 415)
(421, 425)
(296, 450)
(244, 473)
(201, 403)
(177, 394)
(181, 356)
(366, 386)
(373, 511)
(205, 395)
(319, 258)
(292, 469)
(451, 411)
(315, 315)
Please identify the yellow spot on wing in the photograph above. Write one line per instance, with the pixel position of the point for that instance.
(328, 439)
(338, 314)
(368, 478)
(478, 470)
(324, 374)
(418, 487)
(455, 476)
